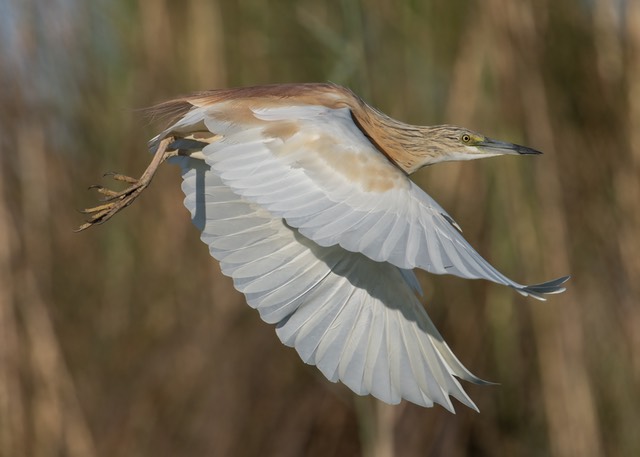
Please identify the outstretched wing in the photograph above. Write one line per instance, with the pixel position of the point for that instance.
(358, 320)
(312, 166)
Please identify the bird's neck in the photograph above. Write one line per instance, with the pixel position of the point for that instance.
(403, 144)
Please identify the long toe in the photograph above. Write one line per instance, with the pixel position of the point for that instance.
(120, 177)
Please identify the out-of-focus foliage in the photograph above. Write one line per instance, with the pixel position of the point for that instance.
(126, 340)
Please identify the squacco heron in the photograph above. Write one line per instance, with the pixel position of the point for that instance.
(301, 192)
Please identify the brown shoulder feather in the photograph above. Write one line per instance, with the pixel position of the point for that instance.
(398, 141)
(327, 94)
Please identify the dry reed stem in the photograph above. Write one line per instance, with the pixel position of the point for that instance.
(131, 338)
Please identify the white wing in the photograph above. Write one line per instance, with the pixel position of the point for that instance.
(313, 167)
(358, 320)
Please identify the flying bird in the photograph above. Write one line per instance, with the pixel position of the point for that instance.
(302, 193)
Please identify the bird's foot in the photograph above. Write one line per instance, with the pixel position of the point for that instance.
(115, 201)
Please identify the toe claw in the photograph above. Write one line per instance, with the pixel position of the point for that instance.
(84, 226)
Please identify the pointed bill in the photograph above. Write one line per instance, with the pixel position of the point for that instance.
(496, 147)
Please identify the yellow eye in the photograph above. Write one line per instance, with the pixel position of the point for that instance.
(465, 138)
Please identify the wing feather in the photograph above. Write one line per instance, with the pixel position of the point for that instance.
(320, 232)
(358, 320)
(327, 180)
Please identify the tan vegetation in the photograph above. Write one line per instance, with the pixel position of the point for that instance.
(126, 340)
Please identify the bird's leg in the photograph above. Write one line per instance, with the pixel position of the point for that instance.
(116, 201)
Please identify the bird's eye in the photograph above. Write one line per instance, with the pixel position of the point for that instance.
(465, 138)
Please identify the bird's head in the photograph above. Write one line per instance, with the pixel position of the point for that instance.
(446, 143)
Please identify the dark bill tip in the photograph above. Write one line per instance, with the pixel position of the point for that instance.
(525, 150)
(502, 147)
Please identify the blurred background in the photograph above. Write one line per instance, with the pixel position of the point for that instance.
(125, 340)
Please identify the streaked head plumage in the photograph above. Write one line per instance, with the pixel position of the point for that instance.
(446, 143)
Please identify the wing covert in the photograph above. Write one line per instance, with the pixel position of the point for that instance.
(312, 166)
